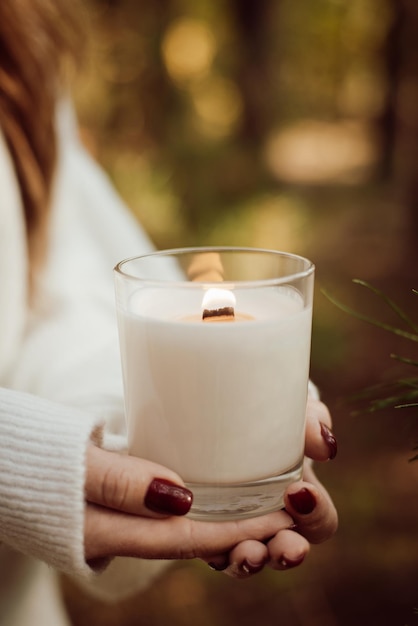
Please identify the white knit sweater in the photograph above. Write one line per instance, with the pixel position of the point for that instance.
(59, 363)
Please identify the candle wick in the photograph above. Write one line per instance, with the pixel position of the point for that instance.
(225, 313)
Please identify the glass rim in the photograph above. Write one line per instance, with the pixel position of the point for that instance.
(187, 284)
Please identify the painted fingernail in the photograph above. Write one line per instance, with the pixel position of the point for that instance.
(218, 567)
(302, 501)
(164, 496)
(329, 438)
(287, 563)
(251, 568)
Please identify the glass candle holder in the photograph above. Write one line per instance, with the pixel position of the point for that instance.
(215, 348)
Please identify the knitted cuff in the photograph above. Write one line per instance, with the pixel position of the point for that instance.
(42, 474)
(313, 391)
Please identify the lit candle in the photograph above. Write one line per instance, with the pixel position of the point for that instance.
(215, 349)
(217, 402)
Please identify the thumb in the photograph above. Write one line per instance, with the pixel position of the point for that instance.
(133, 485)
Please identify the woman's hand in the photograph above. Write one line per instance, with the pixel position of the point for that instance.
(307, 502)
(136, 508)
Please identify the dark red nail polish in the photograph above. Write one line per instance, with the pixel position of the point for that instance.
(251, 568)
(166, 497)
(289, 563)
(218, 567)
(302, 501)
(330, 440)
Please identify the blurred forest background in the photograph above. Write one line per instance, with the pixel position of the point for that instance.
(286, 124)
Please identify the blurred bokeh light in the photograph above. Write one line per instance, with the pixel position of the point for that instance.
(188, 49)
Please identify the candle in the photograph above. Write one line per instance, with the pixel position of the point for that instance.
(215, 347)
(216, 402)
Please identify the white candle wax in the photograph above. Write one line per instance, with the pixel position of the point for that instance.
(218, 402)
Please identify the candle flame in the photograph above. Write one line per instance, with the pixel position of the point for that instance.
(218, 303)
(215, 298)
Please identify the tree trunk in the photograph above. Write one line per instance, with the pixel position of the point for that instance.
(253, 77)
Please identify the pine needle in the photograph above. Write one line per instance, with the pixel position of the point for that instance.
(364, 318)
(404, 359)
(399, 312)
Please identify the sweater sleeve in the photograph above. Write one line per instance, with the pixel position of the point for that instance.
(42, 478)
(313, 391)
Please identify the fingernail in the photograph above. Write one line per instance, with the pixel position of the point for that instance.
(287, 563)
(330, 440)
(218, 567)
(164, 496)
(302, 501)
(251, 568)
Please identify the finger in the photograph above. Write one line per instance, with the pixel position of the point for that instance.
(133, 485)
(287, 549)
(110, 533)
(320, 442)
(219, 562)
(312, 509)
(246, 559)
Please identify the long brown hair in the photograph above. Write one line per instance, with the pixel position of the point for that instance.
(36, 38)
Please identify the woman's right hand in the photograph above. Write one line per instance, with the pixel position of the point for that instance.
(137, 508)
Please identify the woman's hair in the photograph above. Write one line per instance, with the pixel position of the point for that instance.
(36, 38)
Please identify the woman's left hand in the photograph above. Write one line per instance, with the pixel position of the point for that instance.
(306, 501)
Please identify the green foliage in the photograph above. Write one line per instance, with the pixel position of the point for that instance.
(400, 393)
